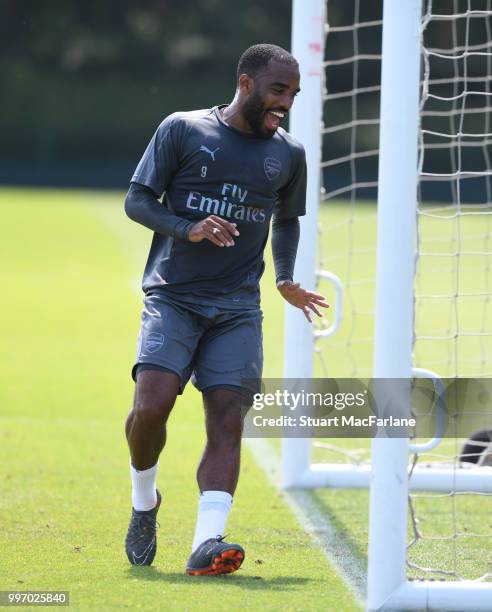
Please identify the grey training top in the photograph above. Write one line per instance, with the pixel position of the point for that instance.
(206, 167)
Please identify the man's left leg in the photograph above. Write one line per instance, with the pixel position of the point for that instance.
(217, 477)
(219, 466)
(228, 361)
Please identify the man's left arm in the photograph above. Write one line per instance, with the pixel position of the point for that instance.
(285, 240)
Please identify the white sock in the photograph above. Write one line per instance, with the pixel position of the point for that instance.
(144, 483)
(213, 510)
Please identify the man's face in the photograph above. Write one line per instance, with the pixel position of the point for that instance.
(270, 98)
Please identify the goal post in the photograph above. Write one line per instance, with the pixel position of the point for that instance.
(387, 586)
(308, 32)
(406, 142)
(396, 223)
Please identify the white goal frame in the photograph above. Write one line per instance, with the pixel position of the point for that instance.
(388, 588)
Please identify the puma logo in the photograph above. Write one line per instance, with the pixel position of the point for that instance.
(207, 150)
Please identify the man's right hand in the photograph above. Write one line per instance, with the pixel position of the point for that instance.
(214, 228)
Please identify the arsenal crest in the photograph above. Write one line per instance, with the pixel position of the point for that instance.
(272, 168)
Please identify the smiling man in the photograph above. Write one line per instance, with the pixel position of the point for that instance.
(223, 173)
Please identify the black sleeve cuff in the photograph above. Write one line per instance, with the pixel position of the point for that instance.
(285, 239)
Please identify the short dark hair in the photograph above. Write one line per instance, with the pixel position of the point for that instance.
(256, 58)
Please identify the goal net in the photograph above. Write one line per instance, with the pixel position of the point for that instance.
(449, 531)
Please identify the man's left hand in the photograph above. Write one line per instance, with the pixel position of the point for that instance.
(307, 301)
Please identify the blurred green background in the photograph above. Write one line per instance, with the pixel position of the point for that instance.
(84, 84)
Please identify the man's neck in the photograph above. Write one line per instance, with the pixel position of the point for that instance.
(233, 116)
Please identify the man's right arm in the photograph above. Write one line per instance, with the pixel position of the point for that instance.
(143, 206)
(158, 166)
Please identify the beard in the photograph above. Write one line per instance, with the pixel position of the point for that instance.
(254, 112)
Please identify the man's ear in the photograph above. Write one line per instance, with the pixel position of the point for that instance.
(246, 84)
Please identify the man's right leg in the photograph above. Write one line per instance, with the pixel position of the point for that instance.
(169, 335)
(155, 395)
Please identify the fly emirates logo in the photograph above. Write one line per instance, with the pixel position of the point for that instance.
(224, 207)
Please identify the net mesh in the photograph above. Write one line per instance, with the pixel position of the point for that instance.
(450, 535)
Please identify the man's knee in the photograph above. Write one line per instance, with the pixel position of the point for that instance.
(155, 395)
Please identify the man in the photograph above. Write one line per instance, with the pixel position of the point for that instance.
(224, 172)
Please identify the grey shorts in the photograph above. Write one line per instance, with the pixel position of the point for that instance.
(214, 346)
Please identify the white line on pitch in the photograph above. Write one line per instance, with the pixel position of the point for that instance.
(317, 524)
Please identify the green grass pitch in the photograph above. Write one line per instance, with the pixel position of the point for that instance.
(71, 265)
